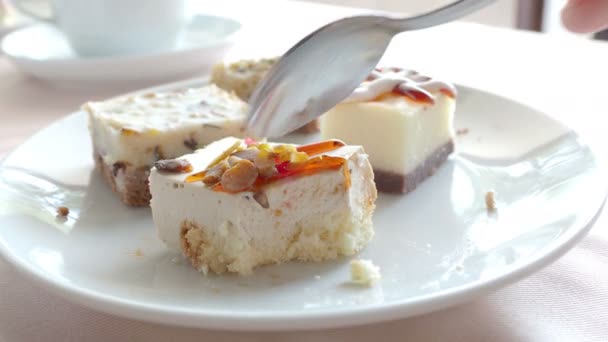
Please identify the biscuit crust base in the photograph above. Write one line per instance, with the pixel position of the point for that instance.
(128, 182)
(391, 182)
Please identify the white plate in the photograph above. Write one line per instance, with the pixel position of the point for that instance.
(42, 51)
(436, 247)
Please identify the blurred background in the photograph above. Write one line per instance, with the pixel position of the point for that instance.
(535, 15)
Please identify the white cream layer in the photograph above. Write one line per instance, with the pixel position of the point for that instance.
(398, 133)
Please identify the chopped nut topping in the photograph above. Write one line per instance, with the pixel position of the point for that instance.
(173, 165)
(284, 152)
(249, 153)
(127, 132)
(298, 157)
(191, 143)
(207, 125)
(63, 211)
(265, 163)
(214, 174)
(226, 153)
(240, 176)
(262, 199)
(233, 160)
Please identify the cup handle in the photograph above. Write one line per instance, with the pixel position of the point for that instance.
(19, 6)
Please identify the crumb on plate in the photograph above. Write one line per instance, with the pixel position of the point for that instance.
(490, 201)
(364, 272)
(63, 211)
(462, 131)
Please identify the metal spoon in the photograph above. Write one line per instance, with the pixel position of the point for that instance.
(325, 67)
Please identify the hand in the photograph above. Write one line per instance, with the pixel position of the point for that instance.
(585, 16)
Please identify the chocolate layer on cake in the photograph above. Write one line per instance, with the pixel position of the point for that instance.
(391, 182)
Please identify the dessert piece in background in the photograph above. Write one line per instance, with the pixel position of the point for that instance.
(237, 204)
(243, 76)
(403, 120)
(131, 133)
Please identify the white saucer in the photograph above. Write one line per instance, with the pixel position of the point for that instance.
(437, 246)
(42, 51)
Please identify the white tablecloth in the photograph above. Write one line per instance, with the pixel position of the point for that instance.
(567, 301)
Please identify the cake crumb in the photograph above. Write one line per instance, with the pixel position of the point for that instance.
(363, 272)
(138, 253)
(462, 131)
(490, 201)
(63, 211)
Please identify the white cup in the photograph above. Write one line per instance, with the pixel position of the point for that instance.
(118, 27)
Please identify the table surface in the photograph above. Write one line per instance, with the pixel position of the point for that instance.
(563, 76)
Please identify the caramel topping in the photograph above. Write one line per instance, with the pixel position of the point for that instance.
(320, 147)
(397, 81)
(421, 96)
(448, 92)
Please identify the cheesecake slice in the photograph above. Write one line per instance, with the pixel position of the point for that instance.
(242, 77)
(236, 204)
(131, 133)
(403, 120)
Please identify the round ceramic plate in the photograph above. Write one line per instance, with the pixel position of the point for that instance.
(205, 43)
(436, 247)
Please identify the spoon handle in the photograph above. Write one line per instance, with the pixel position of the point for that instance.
(438, 16)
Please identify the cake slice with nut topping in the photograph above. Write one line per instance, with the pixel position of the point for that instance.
(238, 204)
(131, 133)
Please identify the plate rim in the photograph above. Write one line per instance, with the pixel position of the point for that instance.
(301, 320)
